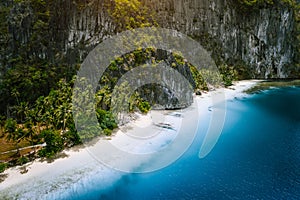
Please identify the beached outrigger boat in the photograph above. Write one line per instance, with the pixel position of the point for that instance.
(176, 114)
(164, 125)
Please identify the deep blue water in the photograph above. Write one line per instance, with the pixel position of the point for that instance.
(256, 157)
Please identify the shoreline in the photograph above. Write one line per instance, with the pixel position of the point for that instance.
(63, 175)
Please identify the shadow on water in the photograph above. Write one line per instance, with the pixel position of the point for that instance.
(282, 102)
(116, 191)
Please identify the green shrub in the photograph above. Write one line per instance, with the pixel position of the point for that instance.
(144, 106)
(22, 160)
(71, 136)
(228, 74)
(3, 167)
(198, 78)
(10, 125)
(107, 132)
(106, 119)
(54, 143)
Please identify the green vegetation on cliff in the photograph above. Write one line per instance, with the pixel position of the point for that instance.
(130, 14)
(37, 75)
(39, 59)
(261, 3)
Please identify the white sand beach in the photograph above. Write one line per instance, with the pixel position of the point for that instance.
(85, 167)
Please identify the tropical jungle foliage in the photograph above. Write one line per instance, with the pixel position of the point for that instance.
(37, 72)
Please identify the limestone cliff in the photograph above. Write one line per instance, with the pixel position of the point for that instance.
(261, 39)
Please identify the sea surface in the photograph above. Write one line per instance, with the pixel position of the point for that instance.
(256, 157)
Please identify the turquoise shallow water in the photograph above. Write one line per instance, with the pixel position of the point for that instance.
(256, 157)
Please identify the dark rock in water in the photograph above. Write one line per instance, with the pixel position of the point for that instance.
(198, 92)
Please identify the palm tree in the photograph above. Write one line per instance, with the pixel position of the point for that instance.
(13, 134)
(16, 94)
(22, 110)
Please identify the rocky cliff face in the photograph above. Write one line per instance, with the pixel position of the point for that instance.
(261, 39)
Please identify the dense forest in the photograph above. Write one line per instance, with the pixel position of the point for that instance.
(38, 69)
